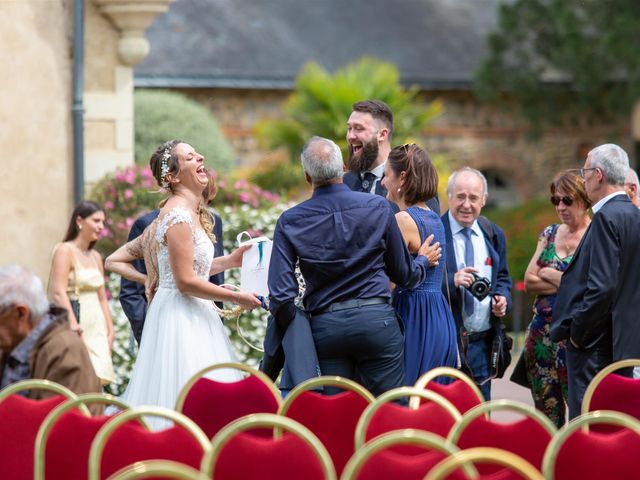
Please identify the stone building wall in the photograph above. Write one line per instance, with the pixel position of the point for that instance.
(35, 130)
(36, 124)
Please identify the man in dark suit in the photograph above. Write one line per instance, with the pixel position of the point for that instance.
(369, 131)
(596, 306)
(132, 295)
(349, 247)
(474, 247)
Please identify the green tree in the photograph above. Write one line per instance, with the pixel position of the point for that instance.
(161, 115)
(321, 104)
(558, 60)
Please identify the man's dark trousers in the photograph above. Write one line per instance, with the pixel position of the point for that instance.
(367, 340)
(582, 365)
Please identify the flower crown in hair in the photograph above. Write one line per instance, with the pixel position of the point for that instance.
(164, 168)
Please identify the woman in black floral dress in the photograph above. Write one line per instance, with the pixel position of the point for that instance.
(544, 359)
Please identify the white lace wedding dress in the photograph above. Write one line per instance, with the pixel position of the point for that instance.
(182, 334)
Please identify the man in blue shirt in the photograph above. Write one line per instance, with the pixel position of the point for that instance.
(348, 246)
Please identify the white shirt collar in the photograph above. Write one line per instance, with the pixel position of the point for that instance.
(378, 171)
(456, 227)
(604, 200)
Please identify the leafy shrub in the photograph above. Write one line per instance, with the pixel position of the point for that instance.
(274, 172)
(242, 192)
(161, 115)
(124, 351)
(321, 104)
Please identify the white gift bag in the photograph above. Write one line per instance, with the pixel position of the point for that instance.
(255, 264)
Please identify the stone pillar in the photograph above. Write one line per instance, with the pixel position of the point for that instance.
(114, 44)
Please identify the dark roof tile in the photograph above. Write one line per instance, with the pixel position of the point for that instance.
(264, 43)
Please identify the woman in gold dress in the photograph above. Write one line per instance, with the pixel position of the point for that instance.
(77, 274)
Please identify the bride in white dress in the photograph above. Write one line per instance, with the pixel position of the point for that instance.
(182, 331)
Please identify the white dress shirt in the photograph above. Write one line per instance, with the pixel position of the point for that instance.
(604, 200)
(479, 321)
(378, 172)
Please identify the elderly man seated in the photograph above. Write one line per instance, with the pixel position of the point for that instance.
(35, 338)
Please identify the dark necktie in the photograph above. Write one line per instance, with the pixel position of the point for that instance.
(469, 262)
(367, 181)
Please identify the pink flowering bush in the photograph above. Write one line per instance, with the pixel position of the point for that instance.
(241, 192)
(125, 195)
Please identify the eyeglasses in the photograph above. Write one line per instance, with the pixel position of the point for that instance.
(582, 171)
(568, 201)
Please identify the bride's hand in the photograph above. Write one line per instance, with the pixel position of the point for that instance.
(247, 300)
(235, 257)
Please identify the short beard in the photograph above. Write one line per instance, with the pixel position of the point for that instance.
(367, 157)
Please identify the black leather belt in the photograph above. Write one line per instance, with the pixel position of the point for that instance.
(355, 303)
(476, 336)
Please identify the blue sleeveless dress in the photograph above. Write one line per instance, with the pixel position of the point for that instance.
(430, 334)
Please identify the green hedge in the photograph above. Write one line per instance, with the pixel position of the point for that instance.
(161, 115)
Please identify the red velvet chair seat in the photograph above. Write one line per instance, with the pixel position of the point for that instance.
(20, 419)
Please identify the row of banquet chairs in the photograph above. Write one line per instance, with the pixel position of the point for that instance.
(245, 430)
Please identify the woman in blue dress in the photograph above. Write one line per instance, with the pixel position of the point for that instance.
(430, 336)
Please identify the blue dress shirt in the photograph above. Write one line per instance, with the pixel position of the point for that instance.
(348, 245)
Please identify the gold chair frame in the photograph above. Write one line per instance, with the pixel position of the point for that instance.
(608, 417)
(407, 436)
(152, 468)
(267, 420)
(494, 405)
(36, 384)
(324, 381)
(394, 394)
(184, 391)
(588, 394)
(99, 442)
(50, 420)
(426, 377)
(484, 455)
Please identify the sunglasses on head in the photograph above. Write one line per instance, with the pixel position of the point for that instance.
(568, 201)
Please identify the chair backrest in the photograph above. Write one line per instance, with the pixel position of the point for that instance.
(296, 453)
(377, 460)
(463, 393)
(608, 391)
(122, 442)
(69, 428)
(332, 418)
(20, 419)
(518, 467)
(527, 437)
(578, 452)
(159, 469)
(437, 415)
(212, 404)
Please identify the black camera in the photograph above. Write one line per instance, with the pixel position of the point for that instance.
(480, 288)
